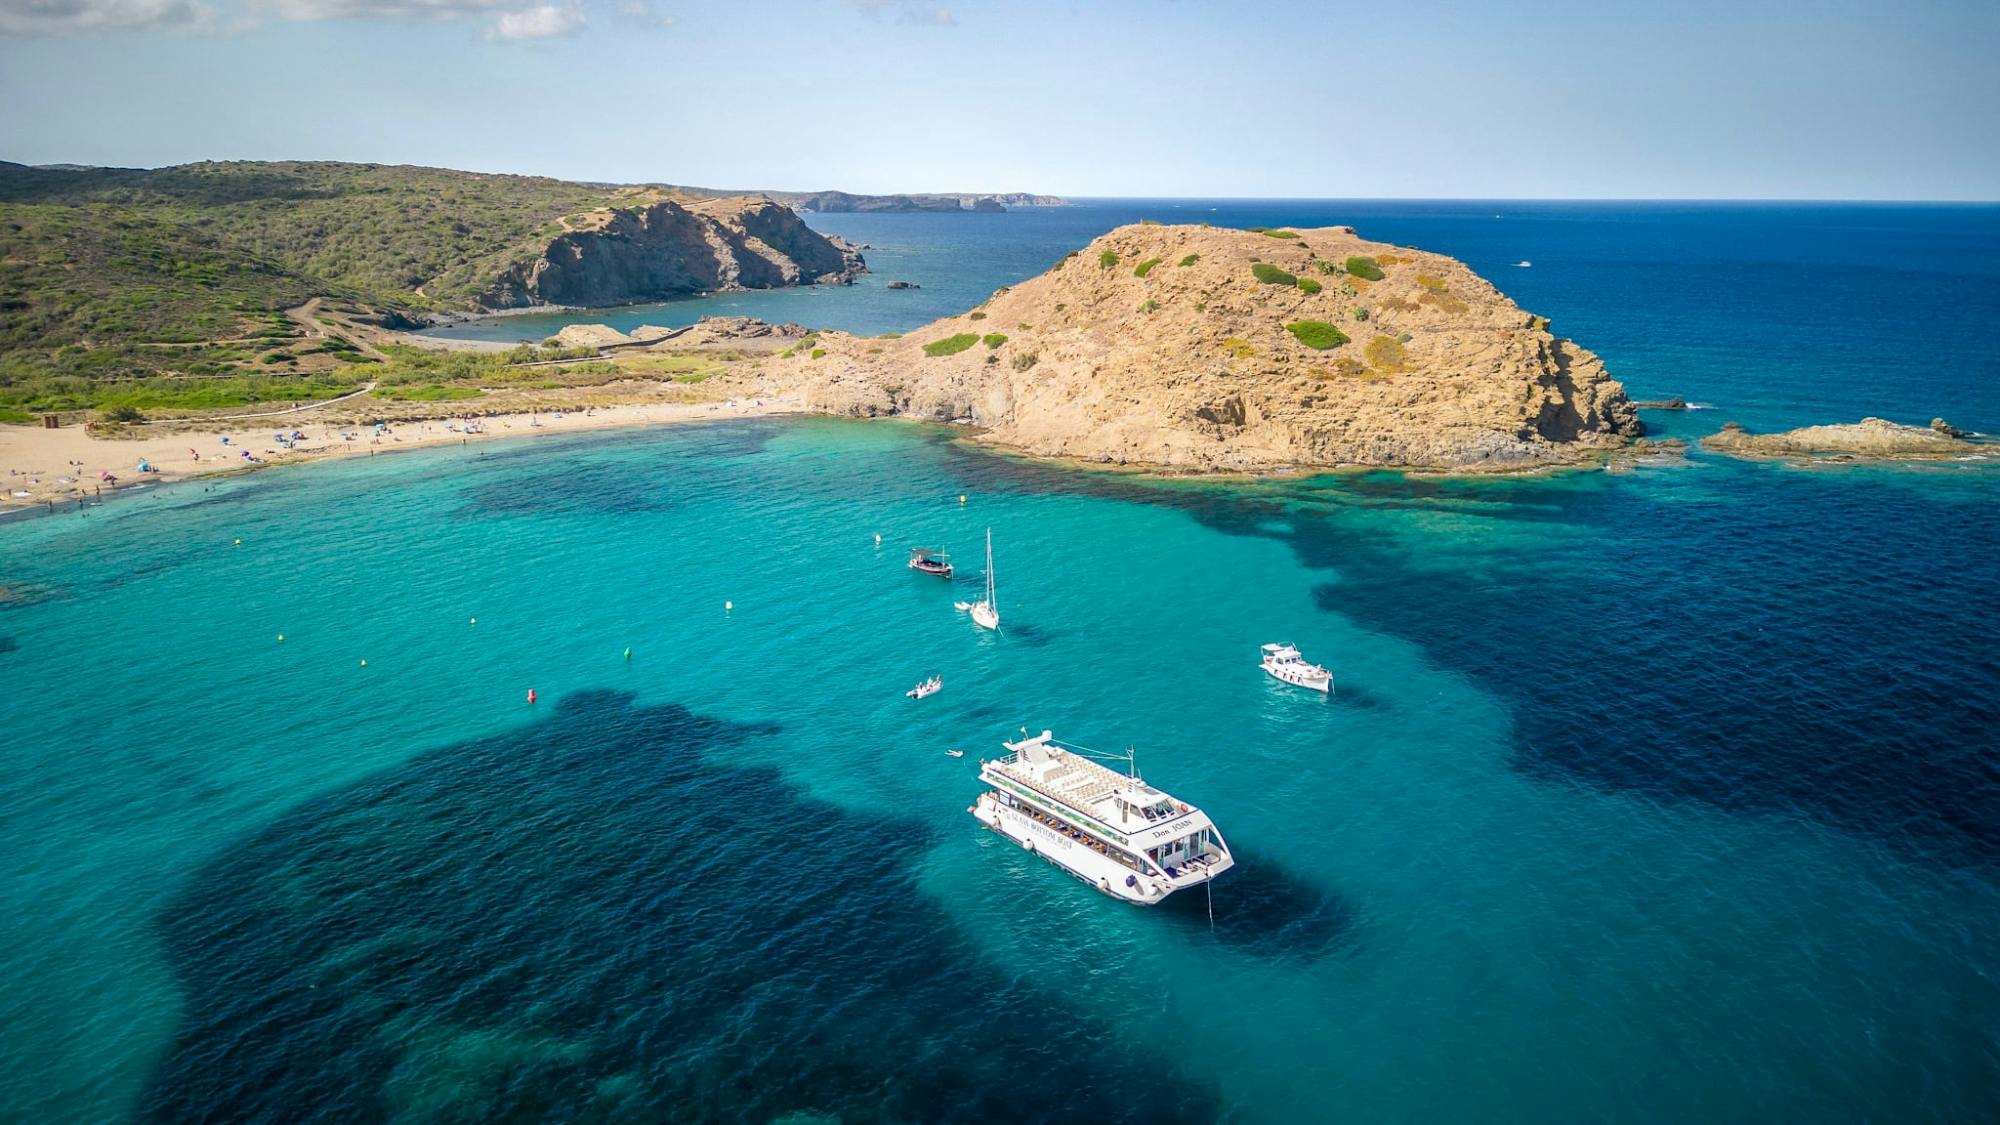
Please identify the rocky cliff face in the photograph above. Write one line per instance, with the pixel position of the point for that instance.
(669, 248)
(1222, 350)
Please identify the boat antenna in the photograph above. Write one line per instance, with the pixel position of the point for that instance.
(1132, 761)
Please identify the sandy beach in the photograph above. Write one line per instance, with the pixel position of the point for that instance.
(44, 467)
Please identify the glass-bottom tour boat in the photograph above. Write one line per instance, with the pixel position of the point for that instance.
(1109, 829)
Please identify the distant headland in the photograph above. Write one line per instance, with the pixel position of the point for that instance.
(839, 202)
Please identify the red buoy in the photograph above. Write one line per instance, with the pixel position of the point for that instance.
(531, 695)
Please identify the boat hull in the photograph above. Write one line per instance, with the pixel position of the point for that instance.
(1102, 872)
(1323, 685)
(985, 616)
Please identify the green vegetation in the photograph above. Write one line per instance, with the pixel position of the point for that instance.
(993, 339)
(428, 392)
(1326, 268)
(1145, 267)
(1150, 306)
(975, 315)
(1429, 282)
(1308, 285)
(1024, 360)
(1272, 275)
(1360, 313)
(1385, 353)
(1238, 349)
(818, 352)
(1316, 334)
(1269, 232)
(1366, 269)
(951, 345)
(170, 284)
(1107, 260)
(1191, 259)
(123, 412)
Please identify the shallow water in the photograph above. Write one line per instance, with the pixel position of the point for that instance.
(1657, 796)
(1636, 800)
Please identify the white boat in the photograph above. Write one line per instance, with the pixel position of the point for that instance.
(1284, 662)
(1109, 829)
(1524, 263)
(986, 611)
(929, 687)
(954, 753)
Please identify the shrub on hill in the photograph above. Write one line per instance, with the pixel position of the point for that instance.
(1191, 259)
(1272, 275)
(1145, 267)
(951, 345)
(1316, 334)
(993, 339)
(1365, 268)
(1107, 260)
(1309, 286)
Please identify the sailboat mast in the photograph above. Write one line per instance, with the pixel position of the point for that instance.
(992, 593)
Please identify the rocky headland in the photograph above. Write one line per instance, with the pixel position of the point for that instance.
(1213, 350)
(1871, 439)
(670, 248)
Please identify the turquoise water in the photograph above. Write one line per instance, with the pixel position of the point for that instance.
(1658, 796)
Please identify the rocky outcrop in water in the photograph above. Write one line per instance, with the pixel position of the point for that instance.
(1871, 439)
(1214, 350)
(672, 248)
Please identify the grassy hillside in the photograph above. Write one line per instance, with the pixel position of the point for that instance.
(110, 276)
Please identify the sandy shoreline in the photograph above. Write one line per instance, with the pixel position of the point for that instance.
(43, 467)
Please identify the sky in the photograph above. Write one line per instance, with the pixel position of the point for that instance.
(1177, 98)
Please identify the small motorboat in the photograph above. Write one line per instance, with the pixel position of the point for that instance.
(954, 753)
(1523, 264)
(1283, 662)
(928, 560)
(929, 687)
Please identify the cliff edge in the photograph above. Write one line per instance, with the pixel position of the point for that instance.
(669, 248)
(1206, 349)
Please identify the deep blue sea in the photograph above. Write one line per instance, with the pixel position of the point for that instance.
(1667, 795)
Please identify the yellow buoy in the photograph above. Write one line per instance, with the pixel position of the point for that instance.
(239, 542)
(961, 497)
(281, 638)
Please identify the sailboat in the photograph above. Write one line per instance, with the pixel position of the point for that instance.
(986, 611)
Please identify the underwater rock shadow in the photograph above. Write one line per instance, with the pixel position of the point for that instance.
(597, 917)
(8, 644)
(572, 482)
(1262, 909)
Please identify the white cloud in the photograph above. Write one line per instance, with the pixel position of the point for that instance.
(504, 20)
(641, 11)
(906, 12)
(545, 21)
(56, 17)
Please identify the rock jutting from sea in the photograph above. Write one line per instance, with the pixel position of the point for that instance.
(1871, 439)
(1213, 350)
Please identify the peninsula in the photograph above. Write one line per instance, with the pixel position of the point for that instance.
(1214, 350)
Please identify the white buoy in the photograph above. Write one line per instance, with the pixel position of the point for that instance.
(878, 540)
(281, 638)
(961, 497)
(475, 621)
(726, 606)
(364, 663)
